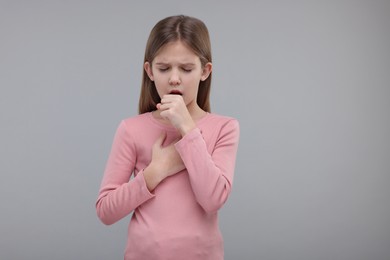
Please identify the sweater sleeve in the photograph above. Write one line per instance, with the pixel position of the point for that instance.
(118, 195)
(211, 175)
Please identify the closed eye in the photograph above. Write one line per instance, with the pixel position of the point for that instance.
(163, 69)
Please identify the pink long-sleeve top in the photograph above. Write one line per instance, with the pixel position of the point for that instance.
(179, 219)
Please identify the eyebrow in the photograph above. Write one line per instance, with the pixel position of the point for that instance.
(181, 64)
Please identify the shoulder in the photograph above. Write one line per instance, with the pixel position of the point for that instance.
(220, 127)
(132, 125)
(135, 121)
(221, 121)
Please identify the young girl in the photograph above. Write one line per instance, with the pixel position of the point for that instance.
(182, 156)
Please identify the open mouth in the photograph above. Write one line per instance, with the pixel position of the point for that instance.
(175, 92)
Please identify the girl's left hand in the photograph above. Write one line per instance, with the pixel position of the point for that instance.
(174, 109)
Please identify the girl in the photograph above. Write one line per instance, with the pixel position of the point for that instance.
(182, 156)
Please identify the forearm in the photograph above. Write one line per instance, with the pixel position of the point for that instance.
(117, 201)
(210, 175)
(209, 184)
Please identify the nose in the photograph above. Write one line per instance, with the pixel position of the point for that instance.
(174, 79)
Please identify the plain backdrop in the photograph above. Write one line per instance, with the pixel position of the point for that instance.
(307, 80)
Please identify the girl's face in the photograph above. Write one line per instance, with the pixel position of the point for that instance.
(177, 70)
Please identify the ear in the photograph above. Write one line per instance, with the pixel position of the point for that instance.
(206, 71)
(148, 69)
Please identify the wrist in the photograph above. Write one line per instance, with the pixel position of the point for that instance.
(187, 128)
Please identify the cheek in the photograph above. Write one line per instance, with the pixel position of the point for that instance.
(158, 87)
(160, 92)
(160, 80)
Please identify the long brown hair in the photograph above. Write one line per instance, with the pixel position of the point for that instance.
(192, 32)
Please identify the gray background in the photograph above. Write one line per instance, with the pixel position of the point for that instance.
(308, 81)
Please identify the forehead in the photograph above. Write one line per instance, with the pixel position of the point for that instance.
(176, 52)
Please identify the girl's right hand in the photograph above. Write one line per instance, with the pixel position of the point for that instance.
(166, 158)
(166, 161)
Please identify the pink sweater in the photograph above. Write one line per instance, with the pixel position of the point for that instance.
(179, 219)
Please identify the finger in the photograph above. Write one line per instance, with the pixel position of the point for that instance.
(160, 140)
(164, 106)
(171, 98)
(174, 141)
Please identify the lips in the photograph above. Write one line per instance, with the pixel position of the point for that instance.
(175, 92)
